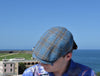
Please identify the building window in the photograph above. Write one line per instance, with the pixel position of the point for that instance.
(4, 70)
(11, 65)
(33, 63)
(28, 63)
(4, 65)
(36, 63)
(10, 70)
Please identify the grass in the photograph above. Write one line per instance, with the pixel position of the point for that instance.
(18, 55)
(3, 54)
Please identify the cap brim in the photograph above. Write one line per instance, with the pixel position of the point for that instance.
(40, 60)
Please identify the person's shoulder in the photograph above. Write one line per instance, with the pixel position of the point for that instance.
(31, 68)
(86, 71)
(35, 69)
(29, 71)
(83, 67)
(78, 65)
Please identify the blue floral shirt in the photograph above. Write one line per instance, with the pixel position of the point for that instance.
(75, 69)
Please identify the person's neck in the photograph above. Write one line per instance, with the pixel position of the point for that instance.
(62, 70)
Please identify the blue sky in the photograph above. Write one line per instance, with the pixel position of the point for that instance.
(22, 22)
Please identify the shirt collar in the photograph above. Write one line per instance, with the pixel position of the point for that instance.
(71, 66)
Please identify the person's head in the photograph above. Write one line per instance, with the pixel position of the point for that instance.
(54, 48)
(59, 64)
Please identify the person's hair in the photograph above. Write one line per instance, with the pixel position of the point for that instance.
(68, 52)
(74, 48)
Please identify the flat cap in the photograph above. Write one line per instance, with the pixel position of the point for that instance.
(54, 43)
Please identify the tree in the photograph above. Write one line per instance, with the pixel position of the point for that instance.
(21, 68)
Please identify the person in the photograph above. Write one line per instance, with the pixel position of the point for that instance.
(54, 52)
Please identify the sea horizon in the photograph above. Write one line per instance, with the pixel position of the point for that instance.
(31, 49)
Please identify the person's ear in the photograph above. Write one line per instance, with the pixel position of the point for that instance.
(68, 56)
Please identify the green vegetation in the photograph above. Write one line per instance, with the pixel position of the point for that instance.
(98, 73)
(3, 54)
(21, 68)
(15, 55)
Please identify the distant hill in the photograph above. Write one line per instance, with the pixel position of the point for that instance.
(16, 51)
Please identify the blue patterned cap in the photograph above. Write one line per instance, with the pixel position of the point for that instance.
(54, 43)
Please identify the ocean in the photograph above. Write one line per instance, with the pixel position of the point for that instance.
(89, 58)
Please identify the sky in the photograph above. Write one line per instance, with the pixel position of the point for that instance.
(22, 22)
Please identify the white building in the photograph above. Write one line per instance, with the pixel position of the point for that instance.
(10, 67)
(1, 68)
